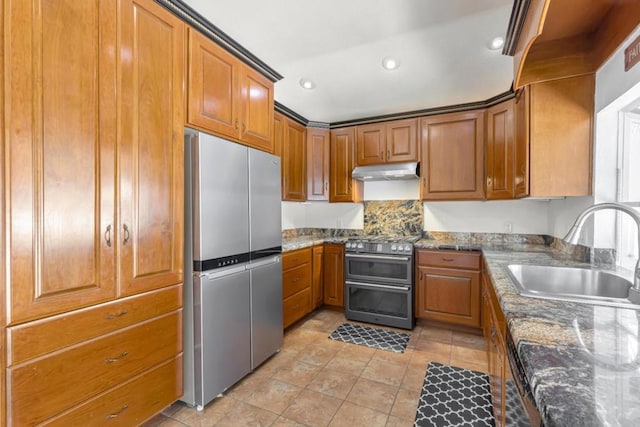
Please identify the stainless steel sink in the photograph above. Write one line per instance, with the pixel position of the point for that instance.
(572, 284)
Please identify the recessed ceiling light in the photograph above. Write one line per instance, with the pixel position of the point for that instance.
(307, 84)
(496, 43)
(389, 63)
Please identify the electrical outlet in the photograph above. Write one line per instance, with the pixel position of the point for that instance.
(338, 223)
(508, 227)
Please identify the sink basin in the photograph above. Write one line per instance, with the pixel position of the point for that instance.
(573, 284)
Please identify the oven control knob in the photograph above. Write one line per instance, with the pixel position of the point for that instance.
(394, 247)
(360, 246)
(348, 245)
(407, 248)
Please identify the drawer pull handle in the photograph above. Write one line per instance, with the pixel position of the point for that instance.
(297, 279)
(116, 414)
(114, 316)
(115, 359)
(447, 259)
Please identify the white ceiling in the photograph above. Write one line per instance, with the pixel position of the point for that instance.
(339, 45)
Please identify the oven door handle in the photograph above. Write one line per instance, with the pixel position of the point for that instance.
(375, 285)
(390, 258)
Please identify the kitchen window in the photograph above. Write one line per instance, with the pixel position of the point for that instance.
(628, 183)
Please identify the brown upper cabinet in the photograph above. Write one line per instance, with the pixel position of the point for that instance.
(388, 142)
(500, 150)
(343, 188)
(317, 164)
(555, 130)
(452, 160)
(226, 97)
(291, 138)
(562, 38)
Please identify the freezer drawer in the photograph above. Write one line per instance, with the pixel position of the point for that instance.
(266, 310)
(222, 332)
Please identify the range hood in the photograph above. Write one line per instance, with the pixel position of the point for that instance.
(387, 172)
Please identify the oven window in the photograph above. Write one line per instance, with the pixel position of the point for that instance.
(378, 269)
(378, 301)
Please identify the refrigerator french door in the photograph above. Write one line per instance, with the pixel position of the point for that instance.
(233, 273)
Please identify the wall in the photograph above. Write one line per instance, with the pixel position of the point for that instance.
(499, 216)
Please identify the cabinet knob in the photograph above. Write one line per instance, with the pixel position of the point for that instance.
(115, 316)
(388, 154)
(326, 186)
(447, 259)
(382, 154)
(236, 125)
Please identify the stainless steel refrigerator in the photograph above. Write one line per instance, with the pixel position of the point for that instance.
(233, 270)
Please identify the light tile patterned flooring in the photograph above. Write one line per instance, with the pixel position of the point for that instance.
(315, 381)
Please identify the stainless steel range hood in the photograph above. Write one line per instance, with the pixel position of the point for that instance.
(388, 172)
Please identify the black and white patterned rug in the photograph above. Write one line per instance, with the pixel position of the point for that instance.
(371, 337)
(454, 397)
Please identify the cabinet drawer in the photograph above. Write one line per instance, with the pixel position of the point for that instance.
(296, 279)
(129, 404)
(54, 333)
(451, 259)
(296, 258)
(45, 387)
(296, 307)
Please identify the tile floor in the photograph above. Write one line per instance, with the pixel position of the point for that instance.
(314, 381)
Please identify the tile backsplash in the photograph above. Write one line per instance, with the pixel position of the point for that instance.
(393, 217)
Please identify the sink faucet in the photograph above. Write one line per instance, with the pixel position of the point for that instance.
(574, 233)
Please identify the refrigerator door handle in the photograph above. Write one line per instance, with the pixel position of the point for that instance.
(223, 273)
(263, 262)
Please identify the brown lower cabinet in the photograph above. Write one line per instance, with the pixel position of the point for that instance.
(493, 325)
(333, 270)
(448, 288)
(296, 285)
(317, 288)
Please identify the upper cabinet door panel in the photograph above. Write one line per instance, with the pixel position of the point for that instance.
(151, 151)
(317, 164)
(370, 144)
(402, 141)
(342, 187)
(257, 110)
(213, 74)
(294, 179)
(453, 156)
(500, 151)
(61, 135)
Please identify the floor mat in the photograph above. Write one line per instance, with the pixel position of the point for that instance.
(371, 337)
(454, 397)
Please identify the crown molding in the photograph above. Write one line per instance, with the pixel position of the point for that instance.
(202, 24)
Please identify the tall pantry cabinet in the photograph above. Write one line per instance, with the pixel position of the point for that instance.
(92, 162)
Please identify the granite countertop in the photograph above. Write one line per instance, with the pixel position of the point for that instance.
(307, 241)
(597, 384)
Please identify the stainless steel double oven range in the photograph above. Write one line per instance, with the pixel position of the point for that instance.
(379, 280)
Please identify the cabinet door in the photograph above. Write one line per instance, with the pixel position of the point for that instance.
(521, 167)
(342, 188)
(402, 141)
(59, 155)
(334, 275)
(257, 110)
(316, 280)
(500, 151)
(317, 164)
(212, 90)
(449, 295)
(294, 182)
(151, 147)
(279, 123)
(453, 156)
(371, 144)
(561, 127)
